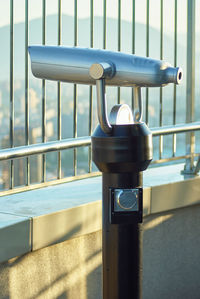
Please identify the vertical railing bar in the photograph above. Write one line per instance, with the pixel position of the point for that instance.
(133, 43)
(27, 90)
(104, 24)
(90, 88)
(43, 93)
(11, 90)
(133, 27)
(59, 94)
(147, 54)
(75, 86)
(161, 91)
(175, 64)
(190, 96)
(119, 44)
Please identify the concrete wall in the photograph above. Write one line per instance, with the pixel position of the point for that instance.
(172, 255)
(72, 269)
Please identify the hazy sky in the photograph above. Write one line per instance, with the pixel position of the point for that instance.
(35, 10)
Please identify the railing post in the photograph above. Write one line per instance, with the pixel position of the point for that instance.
(190, 94)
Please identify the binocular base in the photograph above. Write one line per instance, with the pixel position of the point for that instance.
(122, 240)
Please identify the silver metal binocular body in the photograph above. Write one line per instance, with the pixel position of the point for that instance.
(101, 67)
(73, 64)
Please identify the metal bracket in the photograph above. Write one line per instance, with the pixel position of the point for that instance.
(102, 107)
(197, 167)
(100, 72)
(137, 104)
(194, 170)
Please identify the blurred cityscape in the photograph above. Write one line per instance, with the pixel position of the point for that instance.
(35, 96)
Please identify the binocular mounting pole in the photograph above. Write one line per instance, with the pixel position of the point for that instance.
(121, 152)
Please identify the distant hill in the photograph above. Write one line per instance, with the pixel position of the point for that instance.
(35, 37)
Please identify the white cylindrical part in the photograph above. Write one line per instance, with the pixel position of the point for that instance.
(72, 64)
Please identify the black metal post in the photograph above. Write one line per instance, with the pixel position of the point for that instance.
(122, 244)
(122, 156)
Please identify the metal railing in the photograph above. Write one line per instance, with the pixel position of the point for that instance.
(44, 146)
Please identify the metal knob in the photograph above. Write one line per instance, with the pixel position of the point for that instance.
(126, 200)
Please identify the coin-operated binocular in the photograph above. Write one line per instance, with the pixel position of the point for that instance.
(121, 149)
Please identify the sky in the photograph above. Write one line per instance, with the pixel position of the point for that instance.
(35, 11)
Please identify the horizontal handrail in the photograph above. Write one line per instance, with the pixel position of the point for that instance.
(175, 129)
(52, 146)
(41, 148)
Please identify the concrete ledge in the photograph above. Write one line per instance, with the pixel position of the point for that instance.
(39, 218)
(15, 236)
(66, 224)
